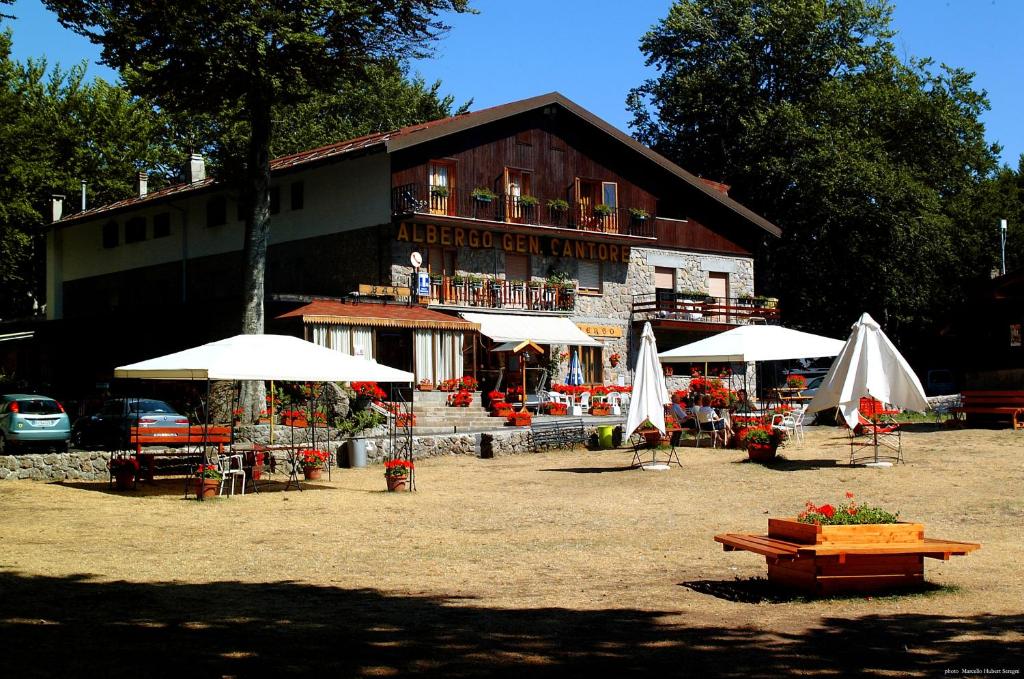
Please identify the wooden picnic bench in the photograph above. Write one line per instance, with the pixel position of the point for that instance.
(557, 433)
(1001, 403)
(856, 565)
(190, 437)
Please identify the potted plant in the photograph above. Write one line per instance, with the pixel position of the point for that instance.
(638, 214)
(558, 205)
(313, 463)
(460, 399)
(668, 370)
(403, 420)
(528, 202)
(521, 418)
(396, 474)
(614, 359)
(517, 285)
(532, 284)
(469, 383)
(124, 470)
(482, 194)
(602, 210)
(264, 417)
(209, 477)
(475, 282)
(600, 408)
(458, 279)
(426, 384)
(556, 409)
(796, 382)
(439, 191)
(761, 442)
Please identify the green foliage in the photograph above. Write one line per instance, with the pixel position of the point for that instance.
(876, 169)
(59, 129)
(849, 513)
(558, 204)
(360, 421)
(238, 61)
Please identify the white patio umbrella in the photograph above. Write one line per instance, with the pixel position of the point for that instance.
(868, 366)
(650, 395)
(575, 376)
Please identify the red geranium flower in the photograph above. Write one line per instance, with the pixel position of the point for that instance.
(827, 510)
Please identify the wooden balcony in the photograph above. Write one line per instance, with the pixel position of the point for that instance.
(467, 292)
(676, 309)
(421, 199)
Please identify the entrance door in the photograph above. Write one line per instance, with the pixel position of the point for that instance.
(394, 349)
(718, 287)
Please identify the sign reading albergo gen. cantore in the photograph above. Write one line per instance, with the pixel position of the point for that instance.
(519, 243)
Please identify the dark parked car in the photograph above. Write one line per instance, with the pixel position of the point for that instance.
(111, 426)
(30, 418)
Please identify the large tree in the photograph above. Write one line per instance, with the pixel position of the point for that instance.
(236, 60)
(60, 129)
(871, 165)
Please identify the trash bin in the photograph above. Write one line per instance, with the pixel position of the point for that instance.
(357, 453)
(604, 436)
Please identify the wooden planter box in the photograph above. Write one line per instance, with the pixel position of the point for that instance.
(824, 560)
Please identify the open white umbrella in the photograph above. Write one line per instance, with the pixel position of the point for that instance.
(754, 343)
(868, 366)
(650, 395)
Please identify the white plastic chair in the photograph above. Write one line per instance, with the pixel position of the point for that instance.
(791, 423)
(614, 400)
(233, 466)
(584, 403)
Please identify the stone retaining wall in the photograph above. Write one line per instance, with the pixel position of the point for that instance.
(93, 465)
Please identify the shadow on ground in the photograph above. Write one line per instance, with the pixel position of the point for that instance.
(163, 486)
(75, 626)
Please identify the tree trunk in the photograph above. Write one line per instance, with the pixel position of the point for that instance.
(257, 236)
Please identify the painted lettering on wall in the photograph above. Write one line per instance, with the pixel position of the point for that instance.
(516, 243)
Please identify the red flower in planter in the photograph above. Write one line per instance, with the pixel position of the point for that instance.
(460, 399)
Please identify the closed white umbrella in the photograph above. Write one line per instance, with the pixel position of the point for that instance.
(650, 395)
(868, 366)
(575, 376)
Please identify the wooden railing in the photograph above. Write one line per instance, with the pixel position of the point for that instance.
(703, 309)
(464, 291)
(456, 202)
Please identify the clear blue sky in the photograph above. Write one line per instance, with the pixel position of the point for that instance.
(587, 50)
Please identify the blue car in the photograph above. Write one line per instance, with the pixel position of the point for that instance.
(27, 419)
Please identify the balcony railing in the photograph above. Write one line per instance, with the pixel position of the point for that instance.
(455, 202)
(500, 294)
(702, 309)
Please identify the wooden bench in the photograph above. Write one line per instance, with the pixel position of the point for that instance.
(1001, 403)
(189, 437)
(560, 433)
(831, 567)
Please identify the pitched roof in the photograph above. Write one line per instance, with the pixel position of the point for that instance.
(412, 135)
(377, 315)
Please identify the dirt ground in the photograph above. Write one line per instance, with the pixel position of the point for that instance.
(560, 564)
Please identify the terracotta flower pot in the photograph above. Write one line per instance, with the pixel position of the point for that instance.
(396, 483)
(124, 480)
(761, 452)
(312, 473)
(208, 488)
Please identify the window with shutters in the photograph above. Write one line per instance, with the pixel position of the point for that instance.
(162, 225)
(517, 267)
(442, 187)
(135, 230)
(589, 274)
(592, 364)
(441, 261)
(111, 235)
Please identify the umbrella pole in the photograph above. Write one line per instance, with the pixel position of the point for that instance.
(271, 412)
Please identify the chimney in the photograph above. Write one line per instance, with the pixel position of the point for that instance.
(141, 180)
(56, 207)
(195, 171)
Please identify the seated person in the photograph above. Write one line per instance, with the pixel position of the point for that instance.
(710, 419)
(743, 402)
(684, 414)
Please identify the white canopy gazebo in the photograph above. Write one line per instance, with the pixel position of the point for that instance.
(749, 343)
(262, 357)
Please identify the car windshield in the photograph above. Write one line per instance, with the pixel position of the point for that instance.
(38, 406)
(150, 406)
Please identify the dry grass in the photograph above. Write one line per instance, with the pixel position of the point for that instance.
(568, 562)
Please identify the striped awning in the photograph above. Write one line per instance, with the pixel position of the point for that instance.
(377, 316)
